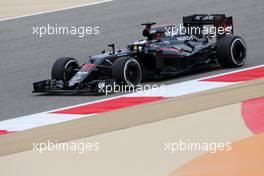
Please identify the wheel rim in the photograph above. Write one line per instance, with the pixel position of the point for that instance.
(238, 51)
(132, 72)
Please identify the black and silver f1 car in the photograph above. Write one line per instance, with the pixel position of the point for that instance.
(159, 55)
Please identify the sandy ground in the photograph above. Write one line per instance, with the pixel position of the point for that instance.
(245, 158)
(13, 8)
(137, 150)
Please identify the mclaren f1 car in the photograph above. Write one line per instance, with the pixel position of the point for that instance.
(159, 55)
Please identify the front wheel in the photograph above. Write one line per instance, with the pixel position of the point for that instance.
(231, 51)
(127, 70)
(64, 68)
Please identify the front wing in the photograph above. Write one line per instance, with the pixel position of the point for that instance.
(51, 86)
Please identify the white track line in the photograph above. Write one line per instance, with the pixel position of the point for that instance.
(56, 10)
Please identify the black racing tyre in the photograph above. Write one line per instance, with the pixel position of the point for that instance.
(231, 51)
(64, 68)
(127, 70)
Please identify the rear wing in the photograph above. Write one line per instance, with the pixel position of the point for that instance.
(223, 24)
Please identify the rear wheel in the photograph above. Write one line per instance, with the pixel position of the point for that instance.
(231, 52)
(127, 70)
(64, 68)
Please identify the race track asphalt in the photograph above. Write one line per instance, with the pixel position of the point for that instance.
(25, 58)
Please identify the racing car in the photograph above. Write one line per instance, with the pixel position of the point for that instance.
(162, 53)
